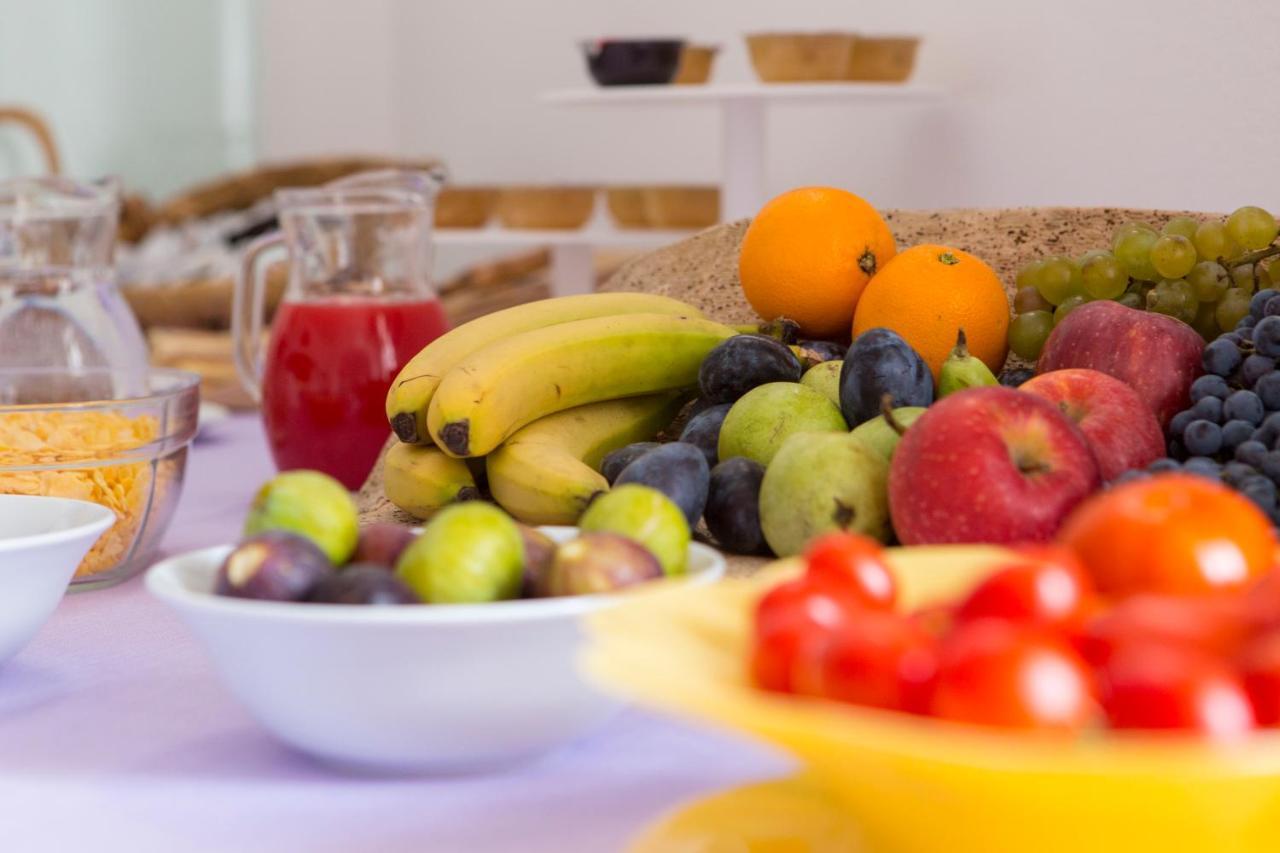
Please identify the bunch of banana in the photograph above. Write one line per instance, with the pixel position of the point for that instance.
(413, 388)
(547, 472)
(422, 479)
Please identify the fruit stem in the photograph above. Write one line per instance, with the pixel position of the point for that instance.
(886, 411)
(1252, 258)
(962, 345)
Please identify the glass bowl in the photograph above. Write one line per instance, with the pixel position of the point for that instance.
(69, 433)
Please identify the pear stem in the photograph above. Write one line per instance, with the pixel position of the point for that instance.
(962, 345)
(886, 411)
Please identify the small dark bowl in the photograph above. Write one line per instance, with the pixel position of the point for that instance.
(633, 62)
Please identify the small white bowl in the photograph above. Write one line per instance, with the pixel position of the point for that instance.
(42, 540)
(440, 688)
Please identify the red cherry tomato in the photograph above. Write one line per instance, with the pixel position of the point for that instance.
(1151, 686)
(855, 563)
(786, 616)
(1046, 586)
(1216, 625)
(998, 673)
(882, 660)
(1259, 665)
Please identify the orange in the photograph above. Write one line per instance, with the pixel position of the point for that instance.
(807, 256)
(1178, 534)
(927, 294)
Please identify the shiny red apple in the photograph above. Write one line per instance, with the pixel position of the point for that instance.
(988, 465)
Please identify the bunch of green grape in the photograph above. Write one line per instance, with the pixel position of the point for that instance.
(1202, 273)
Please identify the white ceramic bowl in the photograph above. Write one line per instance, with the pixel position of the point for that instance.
(417, 688)
(42, 540)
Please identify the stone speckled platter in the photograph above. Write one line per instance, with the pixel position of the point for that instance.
(703, 271)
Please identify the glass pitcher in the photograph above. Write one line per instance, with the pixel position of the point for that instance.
(59, 306)
(358, 304)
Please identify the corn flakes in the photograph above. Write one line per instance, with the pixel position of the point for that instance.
(86, 442)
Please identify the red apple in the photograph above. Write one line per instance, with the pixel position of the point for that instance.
(1157, 355)
(988, 465)
(1117, 424)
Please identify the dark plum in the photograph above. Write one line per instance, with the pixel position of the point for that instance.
(679, 471)
(703, 431)
(362, 583)
(381, 544)
(733, 506)
(613, 464)
(880, 362)
(539, 551)
(1015, 376)
(273, 566)
(825, 350)
(743, 362)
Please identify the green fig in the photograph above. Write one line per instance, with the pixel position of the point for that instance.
(470, 553)
(644, 515)
(962, 370)
(310, 504)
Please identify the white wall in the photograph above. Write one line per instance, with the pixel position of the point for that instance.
(1163, 103)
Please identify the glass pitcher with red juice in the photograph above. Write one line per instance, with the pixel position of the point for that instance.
(358, 305)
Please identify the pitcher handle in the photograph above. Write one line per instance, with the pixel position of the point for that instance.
(248, 305)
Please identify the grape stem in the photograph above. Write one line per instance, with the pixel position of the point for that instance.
(1252, 258)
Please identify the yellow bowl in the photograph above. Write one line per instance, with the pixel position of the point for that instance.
(915, 784)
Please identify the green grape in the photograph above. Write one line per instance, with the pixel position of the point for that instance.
(1028, 332)
(1068, 305)
(1232, 308)
(1059, 279)
(1029, 274)
(1175, 298)
(1206, 321)
(1133, 251)
(1252, 228)
(1212, 242)
(1131, 299)
(1265, 279)
(1028, 299)
(1173, 255)
(1090, 255)
(1242, 276)
(1130, 228)
(1103, 277)
(1210, 280)
(1183, 226)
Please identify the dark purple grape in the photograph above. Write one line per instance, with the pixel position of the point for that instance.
(1014, 377)
(1244, 406)
(1210, 385)
(881, 363)
(1203, 466)
(1260, 300)
(1268, 389)
(1130, 476)
(1207, 408)
(1235, 473)
(1235, 433)
(1254, 368)
(1221, 357)
(1245, 323)
(698, 406)
(1266, 337)
(1163, 465)
(273, 566)
(361, 583)
(1202, 438)
(703, 431)
(825, 350)
(743, 362)
(1176, 450)
(1271, 464)
(1269, 432)
(1261, 491)
(1272, 308)
(1251, 453)
(381, 544)
(613, 464)
(1179, 422)
(733, 506)
(679, 471)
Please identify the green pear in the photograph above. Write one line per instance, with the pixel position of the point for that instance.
(881, 436)
(825, 379)
(762, 419)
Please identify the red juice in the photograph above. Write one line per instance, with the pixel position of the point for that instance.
(329, 365)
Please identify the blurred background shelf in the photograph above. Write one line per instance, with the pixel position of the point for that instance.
(743, 149)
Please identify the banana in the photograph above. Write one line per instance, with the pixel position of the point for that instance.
(422, 480)
(495, 391)
(546, 472)
(412, 389)
(962, 370)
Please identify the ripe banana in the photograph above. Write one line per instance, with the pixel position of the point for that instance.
(495, 391)
(422, 480)
(546, 473)
(412, 389)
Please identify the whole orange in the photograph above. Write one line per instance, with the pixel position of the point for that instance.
(1173, 533)
(927, 294)
(807, 256)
